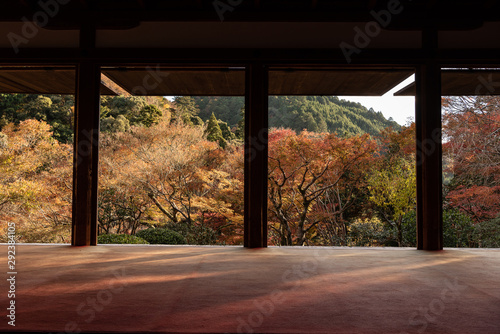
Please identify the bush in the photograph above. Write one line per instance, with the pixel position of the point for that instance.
(409, 229)
(161, 236)
(196, 234)
(120, 239)
(366, 233)
(487, 233)
(458, 229)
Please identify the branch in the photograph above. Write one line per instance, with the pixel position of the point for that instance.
(162, 209)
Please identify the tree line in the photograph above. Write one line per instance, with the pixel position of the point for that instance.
(176, 165)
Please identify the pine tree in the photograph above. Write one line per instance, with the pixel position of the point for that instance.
(226, 131)
(185, 108)
(240, 127)
(148, 115)
(213, 131)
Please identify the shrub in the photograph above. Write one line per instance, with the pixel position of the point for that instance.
(120, 239)
(458, 229)
(366, 232)
(195, 233)
(409, 229)
(161, 236)
(487, 233)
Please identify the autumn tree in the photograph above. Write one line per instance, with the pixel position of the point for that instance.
(180, 174)
(392, 184)
(302, 168)
(472, 147)
(393, 192)
(35, 182)
(123, 206)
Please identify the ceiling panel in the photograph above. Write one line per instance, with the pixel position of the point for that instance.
(41, 81)
(167, 82)
(463, 83)
(335, 82)
(229, 82)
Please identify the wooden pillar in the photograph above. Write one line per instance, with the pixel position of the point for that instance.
(429, 152)
(256, 151)
(86, 149)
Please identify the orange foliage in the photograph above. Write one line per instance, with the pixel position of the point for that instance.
(472, 133)
(35, 183)
(304, 168)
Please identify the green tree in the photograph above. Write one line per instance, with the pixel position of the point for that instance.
(487, 233)
(392, 185)
(214, 132)
(129, 107)
(240, 127)
(226, 131)
(149, 115)
(393, 191)
(458, 230)
(185, 109)
(55, 110)
(110, 124)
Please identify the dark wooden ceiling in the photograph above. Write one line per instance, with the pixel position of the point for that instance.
(41, 81)
(335, 82)
(463, 83)
(194, 82)
(231, 82)
(116, 14)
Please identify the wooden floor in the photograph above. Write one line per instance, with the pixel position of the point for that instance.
(192, 289)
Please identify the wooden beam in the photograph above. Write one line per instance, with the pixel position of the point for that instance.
(84, 4)
(86, 144)
(256, 151)
(430, 4)
(24, 3)
(429, 154)
(240, 56)
(489, 4)
(371, 4)
(271, 11)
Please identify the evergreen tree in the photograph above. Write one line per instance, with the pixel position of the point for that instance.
(118, 124)
(56, 110)
(240, 127)
(313, 113)
(196, 120)
(213, 130)
(226, 131)
(148, 115)
(185, 109)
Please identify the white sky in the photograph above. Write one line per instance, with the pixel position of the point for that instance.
(400, 108)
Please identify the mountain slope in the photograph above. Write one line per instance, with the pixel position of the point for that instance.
(313, 113)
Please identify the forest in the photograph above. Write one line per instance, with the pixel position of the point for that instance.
(172, 171)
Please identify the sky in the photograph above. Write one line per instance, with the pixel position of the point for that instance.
(400, 108)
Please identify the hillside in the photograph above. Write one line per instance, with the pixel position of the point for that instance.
(118, 113)
(314, 113)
